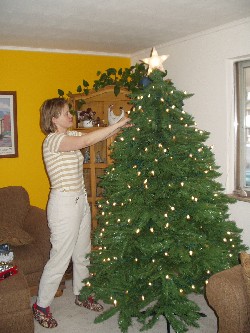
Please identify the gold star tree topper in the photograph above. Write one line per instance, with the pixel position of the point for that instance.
(155, 61)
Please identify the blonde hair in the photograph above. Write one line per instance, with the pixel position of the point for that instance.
(51, 108)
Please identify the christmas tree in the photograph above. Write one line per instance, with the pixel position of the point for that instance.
(163, 223)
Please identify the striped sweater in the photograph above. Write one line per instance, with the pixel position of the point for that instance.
(65, 169)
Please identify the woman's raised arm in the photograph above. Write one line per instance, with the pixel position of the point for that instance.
(70, 143)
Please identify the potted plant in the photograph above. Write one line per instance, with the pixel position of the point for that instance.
(87, 117)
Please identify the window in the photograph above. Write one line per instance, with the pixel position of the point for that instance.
(242, 178)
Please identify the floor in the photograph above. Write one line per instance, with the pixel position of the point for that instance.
(73, 319)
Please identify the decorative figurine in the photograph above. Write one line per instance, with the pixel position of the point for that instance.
(112, 118)
(86, 155)
(98, 158)
(87, 117)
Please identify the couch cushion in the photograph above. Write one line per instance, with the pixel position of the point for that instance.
(29, 258)
(11, 233)
(14, 200)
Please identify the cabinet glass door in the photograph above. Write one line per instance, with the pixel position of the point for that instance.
(99, 189)
(101, 152)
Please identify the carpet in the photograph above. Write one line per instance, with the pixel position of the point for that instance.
(74, 319)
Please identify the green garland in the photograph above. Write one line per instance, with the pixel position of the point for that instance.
(129, 78)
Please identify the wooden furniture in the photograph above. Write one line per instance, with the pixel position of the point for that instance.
(99, 101)
(96, 157)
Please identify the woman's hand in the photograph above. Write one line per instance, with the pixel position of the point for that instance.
(125, 121)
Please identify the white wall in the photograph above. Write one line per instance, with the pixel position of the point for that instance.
(203, 64)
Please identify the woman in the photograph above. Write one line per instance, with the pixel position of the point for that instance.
(68, 211)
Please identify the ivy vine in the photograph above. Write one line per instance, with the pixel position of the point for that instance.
(130, 78)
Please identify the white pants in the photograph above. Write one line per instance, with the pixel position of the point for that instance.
(69, 220)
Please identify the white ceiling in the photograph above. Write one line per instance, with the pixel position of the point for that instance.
(121, 27)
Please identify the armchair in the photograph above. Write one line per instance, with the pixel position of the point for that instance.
(228, 293)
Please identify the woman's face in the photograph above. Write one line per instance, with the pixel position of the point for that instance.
(64, 121)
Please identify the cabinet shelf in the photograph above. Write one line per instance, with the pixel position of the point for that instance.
(97, 157)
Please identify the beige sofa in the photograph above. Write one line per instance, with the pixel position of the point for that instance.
(228, 293)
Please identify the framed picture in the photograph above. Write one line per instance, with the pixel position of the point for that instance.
(8, 124)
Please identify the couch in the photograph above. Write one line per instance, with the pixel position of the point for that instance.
(24, 227)
(228, 294)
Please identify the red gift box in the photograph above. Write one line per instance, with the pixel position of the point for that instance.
(8, 272)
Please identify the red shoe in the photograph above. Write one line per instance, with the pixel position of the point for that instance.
(89, 303)
(45, 319)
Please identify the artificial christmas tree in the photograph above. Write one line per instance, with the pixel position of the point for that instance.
(163, 224)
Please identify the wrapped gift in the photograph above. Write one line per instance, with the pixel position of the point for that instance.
(4, 247)
(6, 270)
(6, 254)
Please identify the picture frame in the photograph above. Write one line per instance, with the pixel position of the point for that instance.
(8, 124)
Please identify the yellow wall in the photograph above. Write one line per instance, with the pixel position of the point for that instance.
(36, 76)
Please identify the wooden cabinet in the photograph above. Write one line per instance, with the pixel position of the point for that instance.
(99, 101)
(96, 157)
